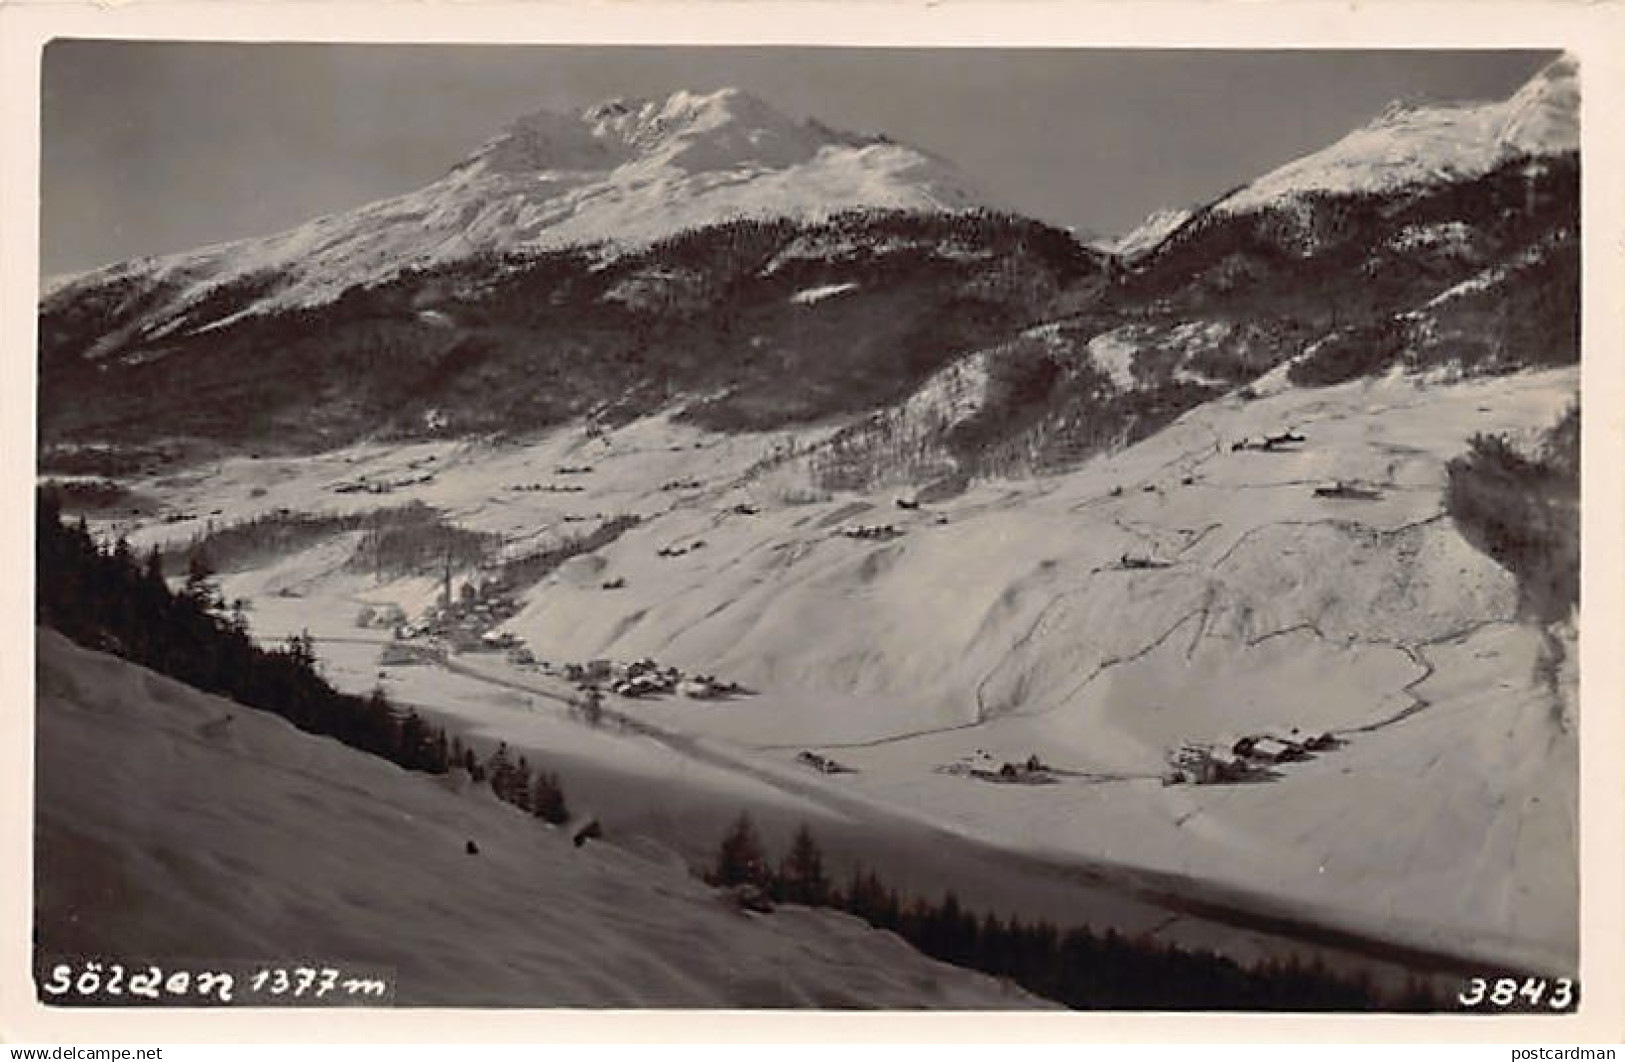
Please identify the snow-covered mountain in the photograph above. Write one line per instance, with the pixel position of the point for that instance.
(1152, 230)
(1440, 239)
(966, 491)
(706, 255)
(1432, 144)
(619, 175)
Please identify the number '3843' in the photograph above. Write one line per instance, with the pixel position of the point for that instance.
(1511, 993)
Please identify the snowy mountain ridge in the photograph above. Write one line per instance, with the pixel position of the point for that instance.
(967, 491)
(704, 254)
(1152, 230)
(618, 175)
(1429, 144)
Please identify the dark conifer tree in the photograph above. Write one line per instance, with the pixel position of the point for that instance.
(499, 769)
(740, 860)
(154, 570)
(801, 877)
(520, 786)
(200, 585)
(414, 738)
(547, 801)
(439, 752)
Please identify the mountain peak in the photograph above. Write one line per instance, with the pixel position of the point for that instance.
(718, 130)
(1412, 143)
(678, 105)
(1145, 236)
(1544, 115)
(610, 108)
(617, 174)
(543, 140)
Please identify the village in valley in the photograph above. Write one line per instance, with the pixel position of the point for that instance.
(749, 480)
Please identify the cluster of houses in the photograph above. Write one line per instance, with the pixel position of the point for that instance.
(980, 765)
(548, 488)
(678, 551)
(646, 678)
(382, 486)
(501, 641)
(1270, 443)
(592, 673)
(1031, 771)
(465, 622)
(1238, 759)
(870, 531)
(389, 617)
(822, 764)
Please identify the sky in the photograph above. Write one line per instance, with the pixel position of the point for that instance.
(155, 147)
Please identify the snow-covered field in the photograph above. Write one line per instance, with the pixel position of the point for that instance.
(1004, 623)
(221, 834)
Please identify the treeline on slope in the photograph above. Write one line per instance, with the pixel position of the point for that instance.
(1345, 279)
(1346, 271)
(518, 344)
(1077, 967)
(1524, 511)
(103, 598)
(1342, 284)
(1527, 315)
(128, 459)
(1039, 412)
(1346, 258)
(97, 496)
(528, 569)
(409, 539)
(1349, 353)
(403, 539)
(423, 543)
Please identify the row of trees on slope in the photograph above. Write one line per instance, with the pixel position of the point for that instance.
(403, 539)
(1079, 967)
(102, 597)
(1523, 509)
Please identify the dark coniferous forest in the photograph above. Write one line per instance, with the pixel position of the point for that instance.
(1077, 966)
(105, 599)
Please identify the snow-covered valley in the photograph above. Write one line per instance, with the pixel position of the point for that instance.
(1214, 586)
(1013, 621)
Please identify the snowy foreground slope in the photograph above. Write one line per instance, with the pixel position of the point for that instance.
(1002, 623)
(174, 825)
